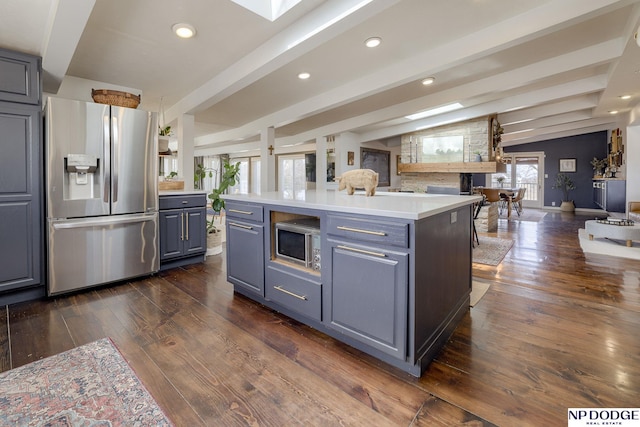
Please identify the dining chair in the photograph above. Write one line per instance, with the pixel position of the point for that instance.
(492, 195)
(516, 201)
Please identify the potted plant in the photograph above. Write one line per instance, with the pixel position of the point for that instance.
(500, 180)
(201, 173)
(228, 179)
(565, 184)
(163, 138)
(598, 166)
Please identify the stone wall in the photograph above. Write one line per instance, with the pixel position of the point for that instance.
(476, 136)
(487, 220)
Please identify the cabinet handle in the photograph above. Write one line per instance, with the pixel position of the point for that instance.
(358, 230)
(241, 212)
(246, 227)
(186, 221)
(362, 251)
(281, 289)
(181, 226)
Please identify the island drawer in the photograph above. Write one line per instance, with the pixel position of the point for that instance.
(369, 230)
(244, 211)
(182, 201)
(295, 292)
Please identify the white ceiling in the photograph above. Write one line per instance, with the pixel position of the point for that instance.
(549, 68)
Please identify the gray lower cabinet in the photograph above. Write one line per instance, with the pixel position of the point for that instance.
(610, 194)
(182, 222)
(245, 247)
(369, 288)
(295, 290)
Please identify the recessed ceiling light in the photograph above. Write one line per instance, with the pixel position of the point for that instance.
(373, 41)
(625, 97)
(613, 112)
(304, 76)
(184, 31)
(428, 81)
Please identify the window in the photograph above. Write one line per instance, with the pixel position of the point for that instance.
(291, 175)
(255, 175)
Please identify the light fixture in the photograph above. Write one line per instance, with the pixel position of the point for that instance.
(613, 112)
(373, 42)
(625, 97)
(184, 31)
(428, 81)
(304, 76)
(435, 111)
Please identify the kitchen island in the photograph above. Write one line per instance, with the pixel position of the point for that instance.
(388, 274)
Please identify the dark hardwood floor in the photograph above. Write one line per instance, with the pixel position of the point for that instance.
(557, 329)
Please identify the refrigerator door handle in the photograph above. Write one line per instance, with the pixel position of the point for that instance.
(106, 166)
(115, 162)
(103, 221)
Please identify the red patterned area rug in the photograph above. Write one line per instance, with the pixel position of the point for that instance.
(90, 385)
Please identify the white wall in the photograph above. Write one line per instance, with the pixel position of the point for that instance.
(80, 89)
(632, 153)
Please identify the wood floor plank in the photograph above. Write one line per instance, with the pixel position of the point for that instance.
(361, 381)
(5, 352)
(556, 329)
(95, 316)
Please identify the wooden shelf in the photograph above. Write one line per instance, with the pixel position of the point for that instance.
(459, 167)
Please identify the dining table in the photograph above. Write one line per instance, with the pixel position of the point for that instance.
(508, 194)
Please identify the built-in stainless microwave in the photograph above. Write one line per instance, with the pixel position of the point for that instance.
(298, 241)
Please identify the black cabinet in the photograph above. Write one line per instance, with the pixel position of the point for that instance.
(21, 199)
(19, 77)
(245, 246)
(610, 194)
(183, 238)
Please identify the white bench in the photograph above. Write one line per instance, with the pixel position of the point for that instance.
(612, 231)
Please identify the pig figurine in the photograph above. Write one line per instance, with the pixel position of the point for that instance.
(358, 178)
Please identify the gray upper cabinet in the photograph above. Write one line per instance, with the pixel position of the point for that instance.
(19, 77)
(21, 216)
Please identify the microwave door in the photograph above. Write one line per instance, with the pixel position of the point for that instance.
(292, 245)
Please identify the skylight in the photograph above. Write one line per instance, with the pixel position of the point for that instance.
(268, 9)
(435, 111)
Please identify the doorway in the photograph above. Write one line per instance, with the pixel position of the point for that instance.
(523, 171)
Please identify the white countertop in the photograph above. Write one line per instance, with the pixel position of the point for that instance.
(180, 192)
(397, 205)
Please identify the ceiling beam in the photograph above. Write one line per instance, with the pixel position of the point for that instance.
(59, 44)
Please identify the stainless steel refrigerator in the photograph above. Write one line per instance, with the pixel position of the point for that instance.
(101, 194)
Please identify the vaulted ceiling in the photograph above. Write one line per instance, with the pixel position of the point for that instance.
(549, 68)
